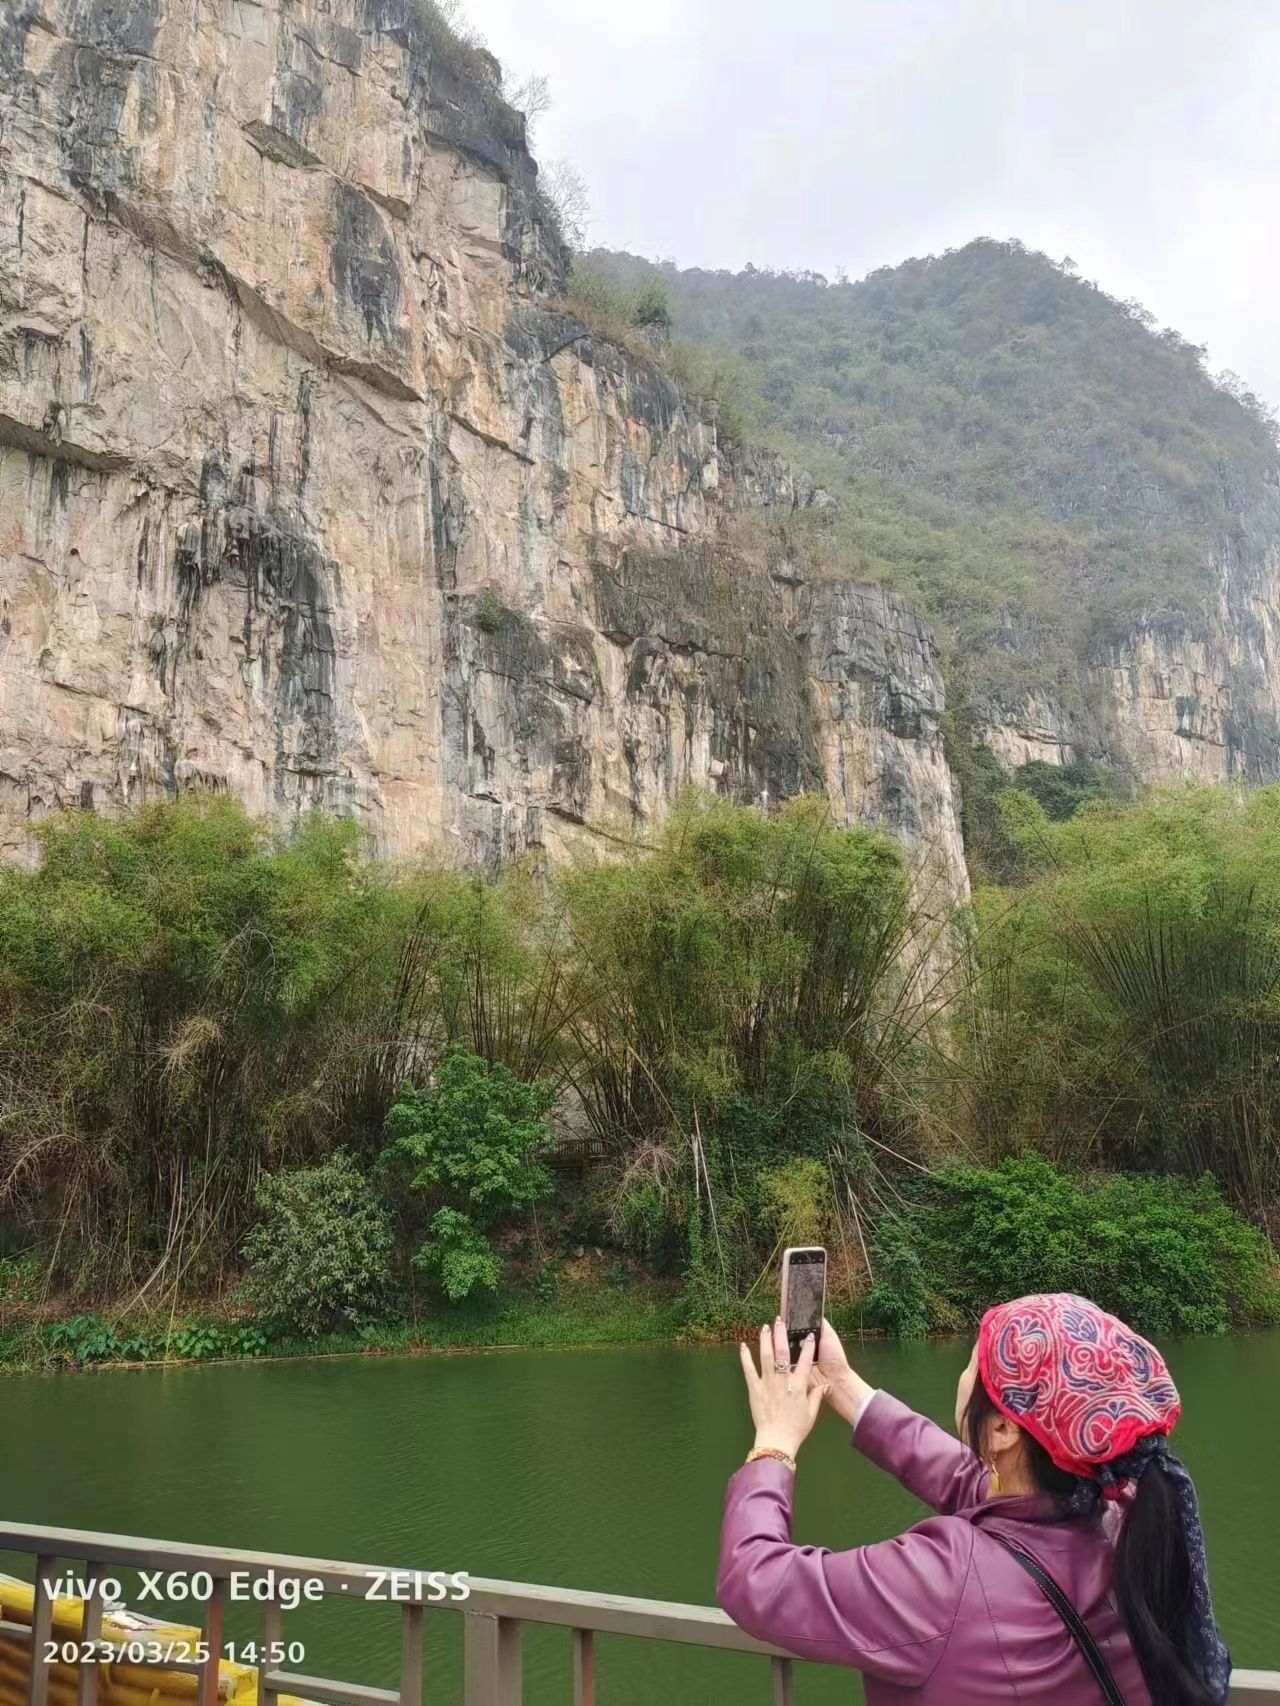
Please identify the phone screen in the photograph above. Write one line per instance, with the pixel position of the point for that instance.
(806, 1294)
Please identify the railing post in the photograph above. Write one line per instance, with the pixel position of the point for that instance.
(211, 1635)
(41, 1629)
(492, 1669)
(270, 1628)
(410, 1657)
(784, 1683)
(584, 1667)
(90, 1630)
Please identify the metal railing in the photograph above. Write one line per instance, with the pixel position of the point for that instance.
(493, 1616)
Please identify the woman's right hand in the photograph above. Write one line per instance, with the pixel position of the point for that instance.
(846, 1391)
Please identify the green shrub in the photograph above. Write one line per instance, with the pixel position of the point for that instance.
(247, 1341)
(81, 1339)
(319, 1257)
(643, 1217)
(466, 1150)
(458, 1256)
(489, 612)
(199, 1341)
(1165, 1254)
(1061, 789)
(647, 306)
(137, 1345)
(797, 1200)
(898, 1302)
(651, 306)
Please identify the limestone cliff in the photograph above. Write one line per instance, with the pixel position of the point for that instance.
(1194, 697)
(312, 490)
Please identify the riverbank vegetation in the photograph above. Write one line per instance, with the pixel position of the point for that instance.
(258, 1089)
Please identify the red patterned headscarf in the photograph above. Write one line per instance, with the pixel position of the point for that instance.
(1100, 1400)
(1080, 1382)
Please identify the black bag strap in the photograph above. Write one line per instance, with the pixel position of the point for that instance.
(1069, 1615)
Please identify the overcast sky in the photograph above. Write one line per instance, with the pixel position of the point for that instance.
(1141, 137)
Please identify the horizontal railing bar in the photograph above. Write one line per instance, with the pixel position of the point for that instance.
(328, 1692)
(1255, 1687)
(611, 1614)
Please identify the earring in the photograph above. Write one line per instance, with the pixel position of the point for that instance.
(995, 1477)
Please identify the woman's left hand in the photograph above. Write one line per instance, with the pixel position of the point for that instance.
(784, 1401)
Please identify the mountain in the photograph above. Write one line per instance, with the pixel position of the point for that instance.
(1089, 519)
(323, 482)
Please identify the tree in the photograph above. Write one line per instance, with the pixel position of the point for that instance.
(467, 1148)
(565, 191)
(320, 1255)
(533, 99)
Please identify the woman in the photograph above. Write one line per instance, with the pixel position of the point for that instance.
(1065, 1414)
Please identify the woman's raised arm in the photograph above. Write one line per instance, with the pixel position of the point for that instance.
(888, 1609)
(926, 1459)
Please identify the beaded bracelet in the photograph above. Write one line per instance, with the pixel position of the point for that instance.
(776, 1452)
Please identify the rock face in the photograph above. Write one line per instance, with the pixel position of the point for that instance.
(311, 490)
(1193, 698)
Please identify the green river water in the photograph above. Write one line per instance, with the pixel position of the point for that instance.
(597, 1469)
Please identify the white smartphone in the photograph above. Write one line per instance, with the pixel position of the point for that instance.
(804, 1294)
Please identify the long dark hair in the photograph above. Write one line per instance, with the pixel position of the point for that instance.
(1152, 1576)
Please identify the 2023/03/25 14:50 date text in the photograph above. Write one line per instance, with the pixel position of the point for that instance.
(171, 1652)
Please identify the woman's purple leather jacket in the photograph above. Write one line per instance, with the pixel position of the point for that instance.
(941, 1616)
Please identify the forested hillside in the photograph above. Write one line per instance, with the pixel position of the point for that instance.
(1024, 455)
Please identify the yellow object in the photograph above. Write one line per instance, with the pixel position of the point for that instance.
(118, 1684)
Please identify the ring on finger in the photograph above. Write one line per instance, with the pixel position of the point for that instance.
(782, 1368)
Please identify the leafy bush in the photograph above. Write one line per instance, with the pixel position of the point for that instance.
(84, 1339)
(467, 1149)
(490, 612)
(1061, 789)
(797, 1200)
(248, 1340)
(651, 306)
(319, 1257)
(199, 1341)
(459, 1256)
(1165, 1254)
(81, 1339)
(899, 1299)
(137, 1345)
